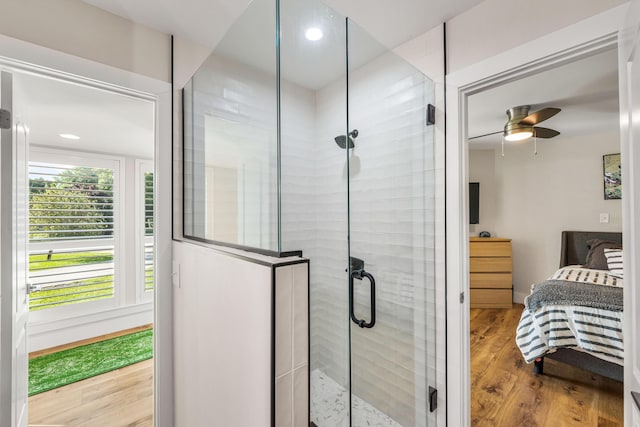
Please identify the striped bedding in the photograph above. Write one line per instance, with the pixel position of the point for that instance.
(593, 330)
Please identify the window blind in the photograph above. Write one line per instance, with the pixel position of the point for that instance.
(70, 202)
(149, 252)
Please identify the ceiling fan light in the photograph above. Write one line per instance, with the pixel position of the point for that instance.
(518, 134)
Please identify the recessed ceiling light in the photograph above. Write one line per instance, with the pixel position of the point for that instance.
(69, 136)
(313, 34)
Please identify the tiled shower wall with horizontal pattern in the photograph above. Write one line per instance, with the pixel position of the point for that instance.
(392, 229)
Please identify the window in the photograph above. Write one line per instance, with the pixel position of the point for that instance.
(146, 264)
(148, 231)
(72, 231)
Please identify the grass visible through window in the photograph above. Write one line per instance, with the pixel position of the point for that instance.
(40, 261)
(87, 290)
(57, 291)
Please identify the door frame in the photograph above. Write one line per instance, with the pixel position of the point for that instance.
(628, 64)
(43, 61)
(583, 38)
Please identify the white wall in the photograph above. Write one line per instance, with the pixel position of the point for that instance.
(88, 32)
(494, 26)
(83, 30)
(532, 199)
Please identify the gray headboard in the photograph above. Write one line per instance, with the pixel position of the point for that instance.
(574, 244)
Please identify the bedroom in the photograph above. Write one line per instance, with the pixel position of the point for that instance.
(531, 198)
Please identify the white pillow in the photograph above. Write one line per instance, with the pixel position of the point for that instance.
(614, 261)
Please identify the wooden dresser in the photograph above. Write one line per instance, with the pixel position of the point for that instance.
(490, 272)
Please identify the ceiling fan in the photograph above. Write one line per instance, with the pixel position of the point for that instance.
(522, 125)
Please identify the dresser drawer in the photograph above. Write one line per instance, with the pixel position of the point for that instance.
(490, 280)
(490, 298)
(490, 265)
(489, 249)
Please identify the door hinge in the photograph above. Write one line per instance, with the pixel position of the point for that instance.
(431, 115)
(5, 119)
(433, 399)
(461, 297)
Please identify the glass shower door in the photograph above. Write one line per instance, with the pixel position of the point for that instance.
(391, 237)
(357, 198)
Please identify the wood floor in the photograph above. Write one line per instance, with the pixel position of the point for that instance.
(123, 397)
(506, 392)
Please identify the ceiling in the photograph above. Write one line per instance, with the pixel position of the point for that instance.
(227, 26)
(392, 22)
(106, 122)
(586, 90)
(309, 64)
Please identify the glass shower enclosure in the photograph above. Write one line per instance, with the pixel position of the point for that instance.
(304, 133)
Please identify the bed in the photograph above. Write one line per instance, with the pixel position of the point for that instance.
(575, 316)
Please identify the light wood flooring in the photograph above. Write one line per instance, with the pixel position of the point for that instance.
(123, 397)
(506, 392)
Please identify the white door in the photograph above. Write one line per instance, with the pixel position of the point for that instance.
(630, 149)
(14, 304)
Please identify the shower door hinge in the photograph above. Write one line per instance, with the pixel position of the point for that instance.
(433, 399)
(431, 115)
(461, 297)
(5, 119)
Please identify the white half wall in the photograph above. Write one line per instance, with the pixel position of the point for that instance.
(222, 324)
(532, 199)
(241, 338)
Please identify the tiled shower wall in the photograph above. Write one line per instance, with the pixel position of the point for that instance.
(392, 229)
(239, 102)
(314, 216)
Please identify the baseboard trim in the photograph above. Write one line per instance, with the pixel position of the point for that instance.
(518, 297)
(87, 341)
(44, 335)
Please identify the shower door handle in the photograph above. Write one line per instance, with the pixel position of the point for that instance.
(360, 274)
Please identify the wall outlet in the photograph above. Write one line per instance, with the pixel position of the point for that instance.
(604, 218)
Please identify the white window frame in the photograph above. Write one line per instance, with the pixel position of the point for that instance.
(75, 158)
(142, 167)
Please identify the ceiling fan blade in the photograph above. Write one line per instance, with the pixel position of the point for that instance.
(539, 116)
(486, 134)
(545, 132)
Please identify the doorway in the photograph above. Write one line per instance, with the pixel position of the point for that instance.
(91, 187)
(585, 91)
(560, 48)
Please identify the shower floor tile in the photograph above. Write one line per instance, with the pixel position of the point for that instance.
(330, 404)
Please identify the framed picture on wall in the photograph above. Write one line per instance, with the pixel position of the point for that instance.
(612, 176)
